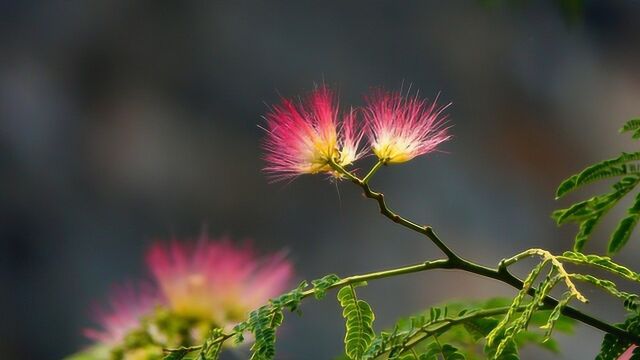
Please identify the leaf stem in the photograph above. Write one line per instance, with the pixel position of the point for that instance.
(373, 170)
(427, 265)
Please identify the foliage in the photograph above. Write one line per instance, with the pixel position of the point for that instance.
(264, 322)
(630, 301)
(602, 262)
(321, 285)
(359, 322)
(438, 333)
(588, 213)
(511, 325)
(178, 354)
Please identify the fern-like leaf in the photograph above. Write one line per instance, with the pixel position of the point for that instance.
(177, 354)
(602, 170)
(509, 352)
(445, 351)
(630, 301)
(212, 346)
(555, 315)
(507, 330)
(321, 285)
(625, 227)
(290, 300)
(602, 262)
(415, 337)
(499, 330)
(633, 126)
(588, 213)
(263, 323)
(359, 322)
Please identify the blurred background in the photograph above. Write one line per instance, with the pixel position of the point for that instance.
(122, 123)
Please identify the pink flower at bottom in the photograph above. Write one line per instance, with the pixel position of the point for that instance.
(126, 307)
(628, 354)
(216, 280)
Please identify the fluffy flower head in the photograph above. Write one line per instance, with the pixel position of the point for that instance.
(126, 308)
(401, 127)
(303, 138)
(216, 280)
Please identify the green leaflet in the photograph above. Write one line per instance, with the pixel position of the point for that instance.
(436, 351)
(510, 352)
(602, 170)
(625, 227)
(179, 354)
(480, 328)
(359, 322)
(263, 323)
(602, 262)
(613, 346)
(290, 300)
(511, 325)
(555, 315)
(630, 300)
(588, 213)
(321, 285)
(584, 232)
(385, 342)
(502, 326)
(508, 334)
(212, 346)
(632, 126)
(463, 330)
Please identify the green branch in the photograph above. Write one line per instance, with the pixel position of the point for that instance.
(428, 265)
(373, 170)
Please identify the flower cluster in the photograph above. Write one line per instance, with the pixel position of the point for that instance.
(197, 287)
(312, 136)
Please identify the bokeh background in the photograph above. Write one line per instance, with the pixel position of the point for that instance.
(123, 122)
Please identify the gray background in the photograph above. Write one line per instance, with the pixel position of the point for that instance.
(122, 123)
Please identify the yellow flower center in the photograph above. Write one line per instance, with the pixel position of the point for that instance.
(393, 151)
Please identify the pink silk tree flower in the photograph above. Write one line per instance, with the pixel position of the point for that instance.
(303, 138)
(628, 354)
(127, 306)
(215, 280)
(400, 127)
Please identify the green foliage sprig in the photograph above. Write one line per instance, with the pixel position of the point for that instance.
(588, 213)
(359, 321)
